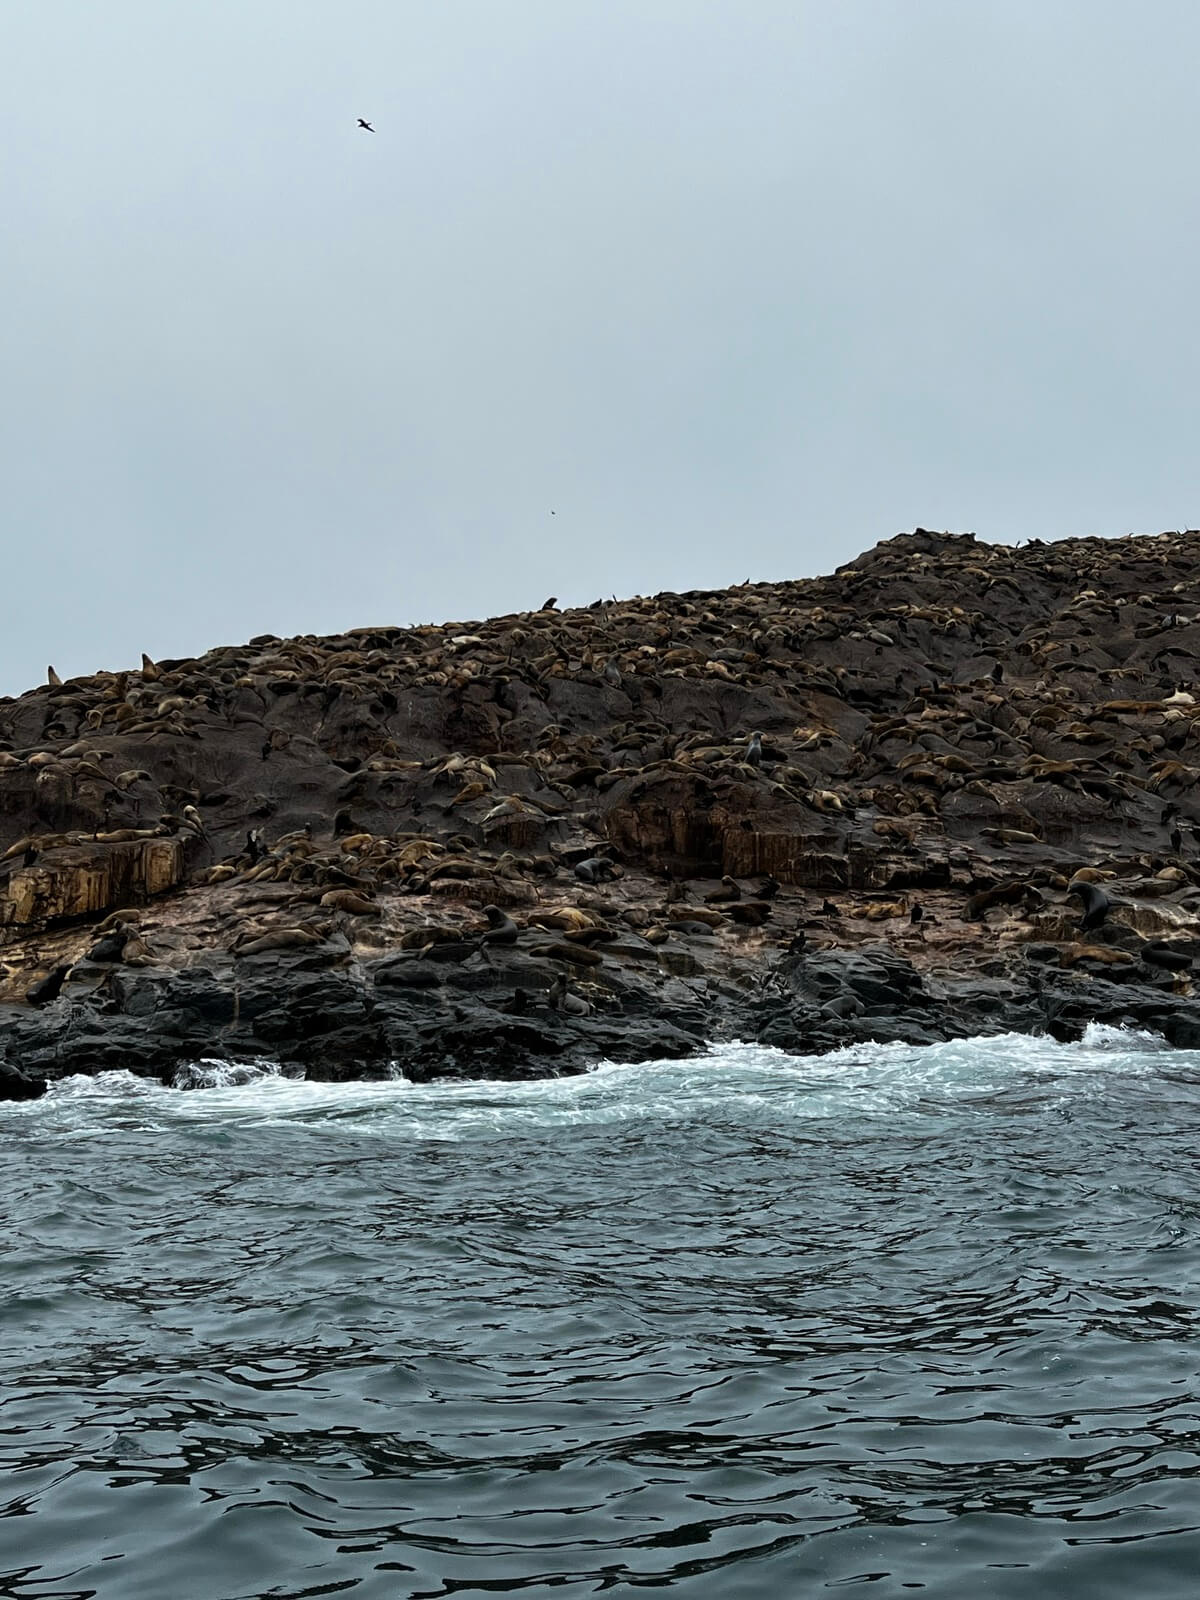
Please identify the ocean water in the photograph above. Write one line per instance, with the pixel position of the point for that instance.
(895, 1321)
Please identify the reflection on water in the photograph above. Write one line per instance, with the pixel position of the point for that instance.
(911, 1320)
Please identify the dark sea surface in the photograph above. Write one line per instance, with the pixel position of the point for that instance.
(894, 1321)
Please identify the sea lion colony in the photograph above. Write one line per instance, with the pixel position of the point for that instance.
(968, 761)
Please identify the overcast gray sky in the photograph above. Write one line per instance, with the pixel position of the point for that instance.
(732, 289)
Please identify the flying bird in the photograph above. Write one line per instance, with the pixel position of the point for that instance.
(365, 125)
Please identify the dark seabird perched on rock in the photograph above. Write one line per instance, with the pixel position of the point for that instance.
(754, 751)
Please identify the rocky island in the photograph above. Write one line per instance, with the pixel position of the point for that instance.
(949, 790)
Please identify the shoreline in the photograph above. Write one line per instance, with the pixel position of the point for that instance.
(948, 791)
(487, 1012)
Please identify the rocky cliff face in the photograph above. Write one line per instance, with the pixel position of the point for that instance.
(918, 755)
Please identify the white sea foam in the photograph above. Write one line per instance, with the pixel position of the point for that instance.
(210, 1073)
(744, 1082)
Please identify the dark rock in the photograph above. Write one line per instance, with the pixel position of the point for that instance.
(940, 716)
(18, 1085)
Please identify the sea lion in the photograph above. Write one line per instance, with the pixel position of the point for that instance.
(1012, 892)
(351, 901)
(1104, 954)
(112, 946)
(130, 917)
(194, 820)
(729, 891)
(48, 988)
(577, 954)
(1159, 954)
(451, 950)
(712, 917)
(562, 917)
(595, 869)
(561, 998)
(749, 913)
(589, 936)
(511, 806)
(276, 939)
(501, 928)
(1096, 904)
(884, 910)
(137, 953)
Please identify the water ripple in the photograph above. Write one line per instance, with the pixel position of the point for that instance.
(746, 1326)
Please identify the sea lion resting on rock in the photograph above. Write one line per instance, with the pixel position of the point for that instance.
(579, 955)
(1157, 953)
(350, 901)
(1103, 953)
(276, 939)
(749, 913)
(1014, 892)
(729, 891)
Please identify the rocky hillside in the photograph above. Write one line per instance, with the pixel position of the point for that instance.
(916, 754)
